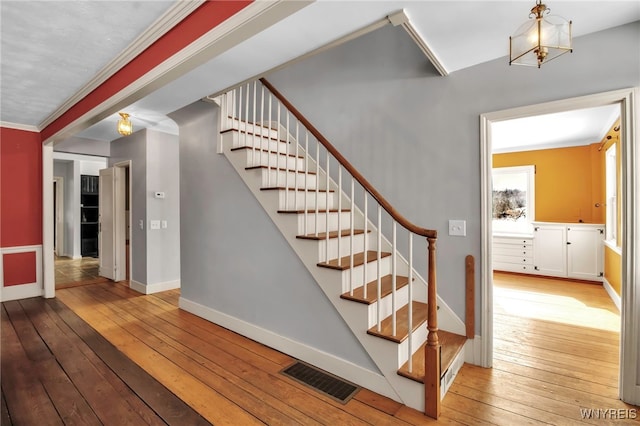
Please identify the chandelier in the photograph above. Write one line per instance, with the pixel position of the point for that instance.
(539, 40)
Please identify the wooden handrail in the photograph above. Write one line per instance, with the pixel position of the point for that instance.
(429, 233)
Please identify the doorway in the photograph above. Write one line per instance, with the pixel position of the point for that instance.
(58, 216)
(629, 377)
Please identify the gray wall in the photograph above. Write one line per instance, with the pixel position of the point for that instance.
(234, 260)
(415, 135)
(154, 167)
(134, 148)
(163, 174)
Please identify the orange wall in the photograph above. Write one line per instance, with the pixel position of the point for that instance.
(568, 182)
(613, 269)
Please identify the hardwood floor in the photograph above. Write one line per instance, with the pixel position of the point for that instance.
(156, 364)
(76, 272)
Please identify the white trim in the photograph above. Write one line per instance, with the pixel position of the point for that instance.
(239, 27)
(612, 293)
(59, 216)
(401, 18)
(630, 154)
(612, 245)
(18, 126)
(153, 288)
(473, 350)
(48, 260)
(331, 363)
(176, 13)
(22, 291)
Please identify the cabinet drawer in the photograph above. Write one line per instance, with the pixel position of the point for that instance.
(512, 241)
(520, 260)
(512, 267)
(513, 251)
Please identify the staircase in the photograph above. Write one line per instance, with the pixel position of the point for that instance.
(336, 223)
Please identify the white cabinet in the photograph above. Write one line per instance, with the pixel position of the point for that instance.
(550, 250)
(585, 252)
(568, 250)
(513, 253)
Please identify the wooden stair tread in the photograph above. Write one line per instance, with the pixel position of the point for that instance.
(402, 317)
(247, 122)
(372, 296)
(273, 188)
(358, 259)
(332, 234)
(451, 344)
(256, 134)
(313, 211)
(278, 168)
(238, 148)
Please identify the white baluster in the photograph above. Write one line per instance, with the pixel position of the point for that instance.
(240, 97)
(295, 196)
(317, 184)
(306, 181)
(262, 124)
(286, 175)
(286, 162)
(393, 278)
(410, 290)
(255, 82)
(378, 266)
(351, 233)
(366, 238)
(339, 211)
(269, 133)
(327, 213)
(246, 122)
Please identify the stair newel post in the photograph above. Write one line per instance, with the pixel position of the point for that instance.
(432, 349)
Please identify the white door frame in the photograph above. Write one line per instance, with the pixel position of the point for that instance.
(630, 154)
(121, 248)
(58, 181)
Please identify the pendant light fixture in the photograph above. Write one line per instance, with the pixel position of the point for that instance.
(125, 127)
(539, 40)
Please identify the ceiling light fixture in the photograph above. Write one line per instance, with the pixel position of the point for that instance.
(543, 38)
(125, 127)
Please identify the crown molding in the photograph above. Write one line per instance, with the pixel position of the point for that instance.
(180, 10)
(401, 18)
(18, 126)
(239, 27)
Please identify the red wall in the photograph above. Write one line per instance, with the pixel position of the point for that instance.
(20, 188)
(198, 23)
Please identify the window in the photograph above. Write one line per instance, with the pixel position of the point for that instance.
(513, 199)
(611, 192)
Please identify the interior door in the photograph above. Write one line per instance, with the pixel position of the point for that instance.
(111, 234)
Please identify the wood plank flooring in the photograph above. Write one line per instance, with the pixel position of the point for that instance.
(125, 358)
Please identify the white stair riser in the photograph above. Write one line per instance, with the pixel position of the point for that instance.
(250, 127)
(256, 141)
(345, 246)
(281, 161)
(419, 337)
(321, 222)
(386, 305)
(282, 179)
(297, 200)
(372, 269)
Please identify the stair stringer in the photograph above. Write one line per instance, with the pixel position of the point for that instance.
(384, 353)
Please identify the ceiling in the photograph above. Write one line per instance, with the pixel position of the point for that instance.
(44, 61)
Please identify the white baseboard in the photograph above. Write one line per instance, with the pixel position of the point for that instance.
(473, 351)
(153, 288)
(23, 291)
(612, 294)
(328, 362)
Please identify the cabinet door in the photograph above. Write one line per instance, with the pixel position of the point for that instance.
(585, 253)
(550, 250)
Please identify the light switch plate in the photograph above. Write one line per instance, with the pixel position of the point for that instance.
(458, 228)
(154, 224)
